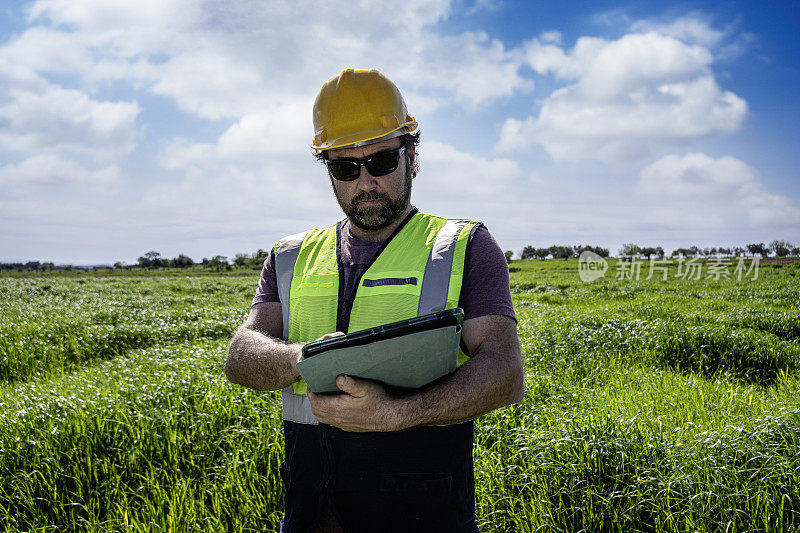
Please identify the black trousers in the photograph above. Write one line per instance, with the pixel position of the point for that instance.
(418, 480)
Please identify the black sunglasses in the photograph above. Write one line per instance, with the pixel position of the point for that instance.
(377, 164)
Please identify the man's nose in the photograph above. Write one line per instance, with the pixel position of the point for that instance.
(366, 181)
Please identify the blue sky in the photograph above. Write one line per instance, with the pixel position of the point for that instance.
(184, 126)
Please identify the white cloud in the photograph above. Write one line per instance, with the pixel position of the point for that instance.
(553, 36)
(54, 169)
(256, 137)
(693, 28)
(484, 5)
(450, 178)
(218, 62)
(632, 98)
(57, 118)
(724, 187)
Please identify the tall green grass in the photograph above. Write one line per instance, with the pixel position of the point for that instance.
(56, 325)
(650, 406)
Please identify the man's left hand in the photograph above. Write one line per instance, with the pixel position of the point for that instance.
(363, 406)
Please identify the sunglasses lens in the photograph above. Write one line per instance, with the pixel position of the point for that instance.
(378, 164)
(383, 163)
(343, 170)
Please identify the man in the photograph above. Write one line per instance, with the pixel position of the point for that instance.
(365, 459)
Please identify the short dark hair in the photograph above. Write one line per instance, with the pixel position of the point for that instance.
(410, 140)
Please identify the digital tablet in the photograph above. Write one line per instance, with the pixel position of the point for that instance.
(406, 354)
(448, 317)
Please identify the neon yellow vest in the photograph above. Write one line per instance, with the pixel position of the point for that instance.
(391, 288)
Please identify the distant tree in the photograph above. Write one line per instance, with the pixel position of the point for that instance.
(659, 252)
(542, 253)
(258, 258)
(560, 252)
(708, 252)
(509, 254)
(529, 252)
(629, 250)
(757, 249)
(726, 252)
(737, 251)
(780, 248)
(241, 260)
(182, 261)
(579, 249)
(150, 259)
(119, 265)
(647, 251)
(219, 262)
(692, 251)
(795, 251)
(46, 267)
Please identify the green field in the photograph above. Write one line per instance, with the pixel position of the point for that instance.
(650, 405)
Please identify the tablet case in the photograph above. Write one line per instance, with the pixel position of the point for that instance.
(405, 362)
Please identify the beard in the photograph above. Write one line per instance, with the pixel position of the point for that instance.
(376, 217)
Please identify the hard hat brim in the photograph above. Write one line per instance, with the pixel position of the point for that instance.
(407, 127)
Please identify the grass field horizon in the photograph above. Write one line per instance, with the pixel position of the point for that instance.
(651, 405)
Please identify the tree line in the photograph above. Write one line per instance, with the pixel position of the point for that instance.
(254, 261)
(153, 260)
(561, 251)
(777, 248)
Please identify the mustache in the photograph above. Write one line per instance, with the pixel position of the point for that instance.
(366, 196)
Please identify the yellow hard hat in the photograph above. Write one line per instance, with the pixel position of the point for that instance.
(359, 107)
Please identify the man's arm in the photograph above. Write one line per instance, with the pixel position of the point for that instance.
(256, 356)
(492, 378)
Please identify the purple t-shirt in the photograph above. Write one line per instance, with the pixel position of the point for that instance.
(485, 289)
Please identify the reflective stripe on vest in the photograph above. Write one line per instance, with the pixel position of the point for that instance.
(286, 251)
(388, 286)
(436, 281)
(296, 407)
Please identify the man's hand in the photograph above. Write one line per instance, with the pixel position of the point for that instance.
(362, 406)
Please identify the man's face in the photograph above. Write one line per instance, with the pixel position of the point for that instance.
(372, 203)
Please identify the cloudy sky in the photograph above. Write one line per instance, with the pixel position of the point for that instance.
(185, 126)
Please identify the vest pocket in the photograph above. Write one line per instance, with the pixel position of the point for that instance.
(382, 282)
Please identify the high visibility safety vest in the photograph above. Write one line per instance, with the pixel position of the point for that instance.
(418, 270)
(421, 477)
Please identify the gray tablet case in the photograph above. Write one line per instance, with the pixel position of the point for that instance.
(407, 362)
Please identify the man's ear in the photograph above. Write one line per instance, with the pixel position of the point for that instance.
(412, 161)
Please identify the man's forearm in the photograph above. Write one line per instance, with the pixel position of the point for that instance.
(261, 362)
(482, 384)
